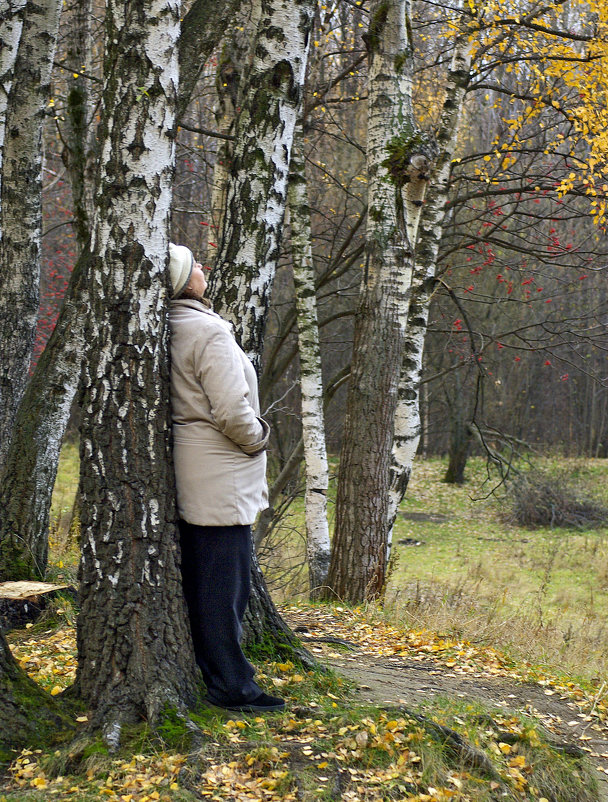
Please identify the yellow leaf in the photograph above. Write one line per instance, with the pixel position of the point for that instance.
(82, 718)
(505, 748)
(56, 690)
(39, 782)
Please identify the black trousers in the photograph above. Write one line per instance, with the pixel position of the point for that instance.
(216, 562)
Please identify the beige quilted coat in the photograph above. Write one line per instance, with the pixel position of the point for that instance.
(218, 436)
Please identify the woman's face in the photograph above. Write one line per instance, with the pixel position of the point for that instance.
(198, 283)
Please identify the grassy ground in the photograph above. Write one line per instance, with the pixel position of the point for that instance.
(542, 594)
(459, 566)
(328, 745)
(472, 575)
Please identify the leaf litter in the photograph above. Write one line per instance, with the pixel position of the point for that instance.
(326, 745)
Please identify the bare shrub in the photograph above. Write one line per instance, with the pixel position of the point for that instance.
(539, 499)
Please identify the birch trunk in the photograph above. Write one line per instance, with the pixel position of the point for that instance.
(79, 151)
(11, 26)
(311, 378)
(229, 71)
(134, 649)
(31, 463)
(407, 416)
(359, 549)
(21, 204)
(248, 251)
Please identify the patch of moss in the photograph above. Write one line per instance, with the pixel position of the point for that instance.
(400, 150)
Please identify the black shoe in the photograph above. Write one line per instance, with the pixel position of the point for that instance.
(261, 703)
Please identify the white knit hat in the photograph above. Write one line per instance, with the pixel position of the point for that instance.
(181, 262)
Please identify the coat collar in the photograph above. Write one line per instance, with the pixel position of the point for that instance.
(203, 306)
(200, 306)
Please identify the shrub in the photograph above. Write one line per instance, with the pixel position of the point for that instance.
(539, 499)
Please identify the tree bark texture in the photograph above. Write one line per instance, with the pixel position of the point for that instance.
(227, 81)
(202, 28)
(11, 26)
(134, 647)
(407, 415)
(21, 206)
(31, 462)
(79, 151)
(311, 377)
(248, 251)
(359, 548)
(263, 628)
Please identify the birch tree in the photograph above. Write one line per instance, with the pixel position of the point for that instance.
(248, 251)
(134, 650)
(396, 170)
(78, 154)
(311, 378)
(11, 25)
(21, 197)
(31, 462)
(407, 414)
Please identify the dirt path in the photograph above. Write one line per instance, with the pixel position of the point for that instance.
(399, 680)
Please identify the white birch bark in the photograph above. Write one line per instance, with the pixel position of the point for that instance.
(311, 378)
(248, 251)
(135, 655)
(31, 462)
(21, 205)
(247, 256)
(407, 414)
(359, 549)
(11, 25)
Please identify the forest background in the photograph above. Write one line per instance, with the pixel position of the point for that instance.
(488, 162)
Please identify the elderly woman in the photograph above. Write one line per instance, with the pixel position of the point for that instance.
(219, 444)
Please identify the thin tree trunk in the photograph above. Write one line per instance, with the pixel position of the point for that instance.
(78, 154)
(359, 548)
(11, 26)
(460, 436)
(229, 71)
(407, 414)
(134, 650)
(203, 27)
(21, 205)
(31, 463)
(248, 251)
(311, 378)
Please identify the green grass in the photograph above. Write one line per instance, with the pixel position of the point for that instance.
(487, 579)
(541, 594)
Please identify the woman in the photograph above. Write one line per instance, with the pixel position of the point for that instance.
(219, 444)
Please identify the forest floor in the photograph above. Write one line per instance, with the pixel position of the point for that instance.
(403, 715)
(482, 677)
(401, 671)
